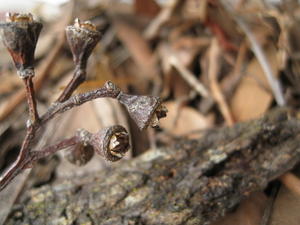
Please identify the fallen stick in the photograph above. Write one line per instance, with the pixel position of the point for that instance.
(192, 182)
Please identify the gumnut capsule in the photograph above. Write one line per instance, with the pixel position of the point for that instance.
(144, 110)
(82, 38)
(81, 153)
(112, 142)
(20, 34)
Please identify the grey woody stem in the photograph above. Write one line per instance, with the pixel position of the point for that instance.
(17, 166)
(30, 94)
(50, 150)
(25, 156)
(78, 78)
(107, 91)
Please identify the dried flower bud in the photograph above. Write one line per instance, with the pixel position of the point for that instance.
(82, 38)
(144, 110)
(112, 143)
(20, 35)
(79, 154)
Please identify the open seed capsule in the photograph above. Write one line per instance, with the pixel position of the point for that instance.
(112, 142)
(20, 34)
(82, 38)
(144, 110)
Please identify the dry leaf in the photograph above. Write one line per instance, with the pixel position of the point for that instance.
(286, 208)
(137, 46)
(195, 9)
(9, 82)
(252, 98)
(184, 120)
(148, 8)
(173, 81)
(249, 212)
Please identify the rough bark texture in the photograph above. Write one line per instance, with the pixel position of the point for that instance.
(192, 182)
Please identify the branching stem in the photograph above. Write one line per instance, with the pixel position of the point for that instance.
(27, 157)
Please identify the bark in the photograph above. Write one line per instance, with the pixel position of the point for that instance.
(191, 182)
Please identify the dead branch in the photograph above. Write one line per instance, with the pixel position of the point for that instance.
(193, 182)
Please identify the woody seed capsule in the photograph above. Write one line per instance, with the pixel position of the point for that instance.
(112, 142)
(82, 38)
(80, 154)
(20, 34)
(144, 110)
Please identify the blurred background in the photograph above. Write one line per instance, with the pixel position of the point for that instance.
(214, 63)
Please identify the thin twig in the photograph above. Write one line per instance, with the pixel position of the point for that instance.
(164, 15)
(16, 167)
(33, 113)
(268, 210)
(77, 79)
(229, 84)
(77, 100)
(260, 55)
(291, 182)
(47, 151)
(188, 76)
(213, 70)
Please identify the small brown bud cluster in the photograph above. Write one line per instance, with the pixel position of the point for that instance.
(111, 143)
(20, 34)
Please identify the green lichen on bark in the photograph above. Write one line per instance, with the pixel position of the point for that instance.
(191, 182)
